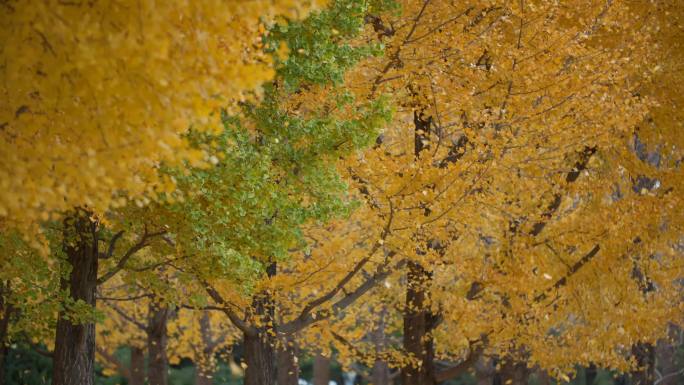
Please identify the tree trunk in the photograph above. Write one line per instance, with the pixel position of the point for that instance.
(645, 358)
(484, 371)
(137, 366)
(3, 354)
(204, 360)
(380, 372)
(590, 373)
(513, 373)
(418, 322)
(260, 360)
(288, 368)
(158, 362)
(6, 310)
(202, 377)
(260, 354)
(74, 354)
(321, 370)
(666, 356)
(543, 377)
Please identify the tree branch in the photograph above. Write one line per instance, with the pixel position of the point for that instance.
(128, 318)
(112, 246)
(234, 318)
(142, 243)
(307, 317)
(563, 281)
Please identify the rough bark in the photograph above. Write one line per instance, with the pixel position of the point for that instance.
(321, 370)
(137, 366)
(260, 360)
(288, 368)
(157, 340)
(418, 323)
(74, 354)
(260, 353)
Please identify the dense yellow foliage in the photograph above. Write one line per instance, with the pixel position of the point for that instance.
(94, 95)
(536, 126)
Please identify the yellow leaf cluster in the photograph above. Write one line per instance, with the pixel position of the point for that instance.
(95, 95)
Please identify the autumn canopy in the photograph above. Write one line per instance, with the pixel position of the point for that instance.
(412, 192)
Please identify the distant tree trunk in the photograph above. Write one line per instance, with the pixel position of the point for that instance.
(288, 367)
(260, 354)
(321, 370)
(202, 377)
(543, 377)
(380, 373)
(418, 323)
(590, 373)
(484, 371)
(622, 380)
(645, 358)
(137, 366)
(157, 338)
(513, 373)
(6, 311)
(74, 354)
(666, 357)
(204, 363)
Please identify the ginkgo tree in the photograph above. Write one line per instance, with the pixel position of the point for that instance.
(510, 179)
(523, 203)
(275, 170)
(96, 97)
